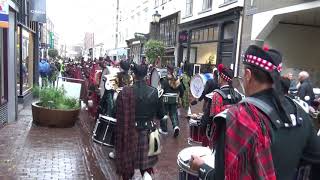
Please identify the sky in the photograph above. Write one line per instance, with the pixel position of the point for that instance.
(72, 18)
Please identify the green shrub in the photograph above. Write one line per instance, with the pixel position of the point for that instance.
(54, 98)
(153, 50)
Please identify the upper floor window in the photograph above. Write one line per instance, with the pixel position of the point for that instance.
(156, 3)
(189, 7)
(207, 4)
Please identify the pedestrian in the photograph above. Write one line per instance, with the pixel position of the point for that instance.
(44, 69)
(53, 74)
(255, 135)
(136, 108)
(305, 91)
(171, 84)
(186, 86)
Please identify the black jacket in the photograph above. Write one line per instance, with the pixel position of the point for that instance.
(290, 145)
(210, 85)
(168, 89)
(148, 105)
(306, 89)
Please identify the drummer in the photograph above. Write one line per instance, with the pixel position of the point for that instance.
(171, 84)
(221, 99)
(255, 133)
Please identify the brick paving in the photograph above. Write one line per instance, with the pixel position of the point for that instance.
(31, 152)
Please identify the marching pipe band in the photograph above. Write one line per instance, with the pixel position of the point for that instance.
(107, 82)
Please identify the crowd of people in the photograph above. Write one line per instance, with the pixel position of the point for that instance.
(264, 135)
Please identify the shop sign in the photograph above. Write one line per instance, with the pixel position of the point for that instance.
(4, 14)
(38, 11)
(183, 37)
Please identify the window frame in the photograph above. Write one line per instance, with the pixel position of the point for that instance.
(189, 3)
(206, 5)
(156, 3)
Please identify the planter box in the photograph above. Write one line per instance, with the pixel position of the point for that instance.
(53, 117)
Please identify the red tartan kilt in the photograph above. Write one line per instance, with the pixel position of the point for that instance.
(142, 160)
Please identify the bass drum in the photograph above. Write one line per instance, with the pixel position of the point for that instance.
(198, 82)
(156, 75)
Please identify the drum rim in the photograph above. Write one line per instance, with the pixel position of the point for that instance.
(107, 118)
(184, 166)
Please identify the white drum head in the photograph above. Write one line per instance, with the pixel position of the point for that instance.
(197, 85)
(184, 157)
(155, 78)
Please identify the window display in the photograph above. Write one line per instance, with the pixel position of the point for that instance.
(25, 65)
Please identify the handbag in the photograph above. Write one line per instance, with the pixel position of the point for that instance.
(154, 143)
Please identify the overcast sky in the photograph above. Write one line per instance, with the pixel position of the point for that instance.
(72, 18)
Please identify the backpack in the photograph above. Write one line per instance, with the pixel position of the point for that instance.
(44, 67)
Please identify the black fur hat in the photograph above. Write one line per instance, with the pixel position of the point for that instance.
(139, 70)
(125, 65)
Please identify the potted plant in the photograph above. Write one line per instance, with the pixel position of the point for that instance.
(54, 109)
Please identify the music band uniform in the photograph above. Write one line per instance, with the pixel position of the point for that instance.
(258, 138)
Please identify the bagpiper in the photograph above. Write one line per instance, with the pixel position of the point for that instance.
(266, 135)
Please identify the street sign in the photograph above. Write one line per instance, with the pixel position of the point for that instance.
(38, 11)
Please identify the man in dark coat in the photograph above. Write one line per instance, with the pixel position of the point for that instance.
(254, 136)
(137, 106)
(305, 91)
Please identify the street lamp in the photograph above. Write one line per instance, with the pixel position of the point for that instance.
(156, 17)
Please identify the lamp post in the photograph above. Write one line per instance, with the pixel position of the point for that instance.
(155, 24)
(156, 17)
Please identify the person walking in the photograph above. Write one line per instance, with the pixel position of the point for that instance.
(171, 84)
(252, 134)
(136, 107)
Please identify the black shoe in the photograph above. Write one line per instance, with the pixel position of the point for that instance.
(176, 131)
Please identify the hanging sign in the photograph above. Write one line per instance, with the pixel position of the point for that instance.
(38, 11)
(4, 14)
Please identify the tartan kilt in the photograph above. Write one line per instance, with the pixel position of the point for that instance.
(143, 161)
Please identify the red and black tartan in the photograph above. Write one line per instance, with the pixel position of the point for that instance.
(126, 138)
(248, 144)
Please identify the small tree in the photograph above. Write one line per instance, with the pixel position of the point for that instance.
(53, 53)
(153, 50)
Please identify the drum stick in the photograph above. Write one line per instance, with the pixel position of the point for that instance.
(188, 161)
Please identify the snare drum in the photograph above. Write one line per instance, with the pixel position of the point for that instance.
(184, 157)
(198, 83)
(196, 132)
(104, 131)
(170, 98)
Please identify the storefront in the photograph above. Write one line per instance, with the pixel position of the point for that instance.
(211, 40)
(136, 47)
(8, 105)
(25, 61)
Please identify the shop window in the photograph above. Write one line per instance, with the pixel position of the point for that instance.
(2, 78)
(204, 35)
(168, 31)
(156, 3)
(25, 65)
(207, 4)
(189, 7)
(229, 31)
(204, 53)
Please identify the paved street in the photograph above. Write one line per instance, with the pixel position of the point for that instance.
(30, 152)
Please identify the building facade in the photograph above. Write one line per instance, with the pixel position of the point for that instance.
(8, 67)
(27, 57)
(289, 26)
(209, 33)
